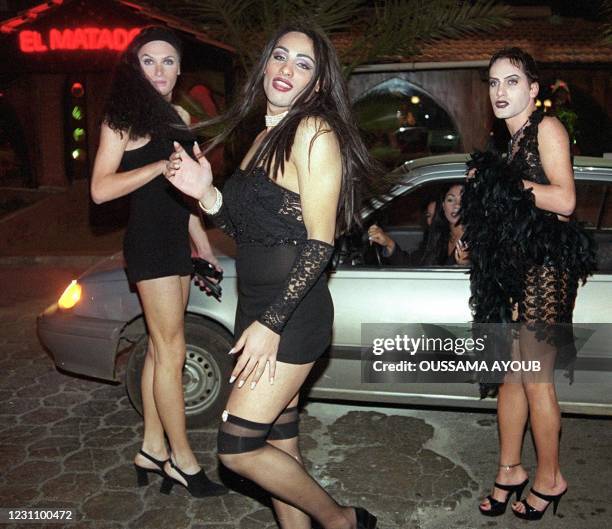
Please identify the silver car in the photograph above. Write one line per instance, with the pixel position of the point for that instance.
(103, 319)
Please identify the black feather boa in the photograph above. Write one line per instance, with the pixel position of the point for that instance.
(507, 234)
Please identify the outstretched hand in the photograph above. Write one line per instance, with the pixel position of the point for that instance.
(194, 178)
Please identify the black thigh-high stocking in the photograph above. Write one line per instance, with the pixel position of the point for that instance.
(284, 436)
(243, 448)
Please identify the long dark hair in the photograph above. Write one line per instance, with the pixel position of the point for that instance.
(329, 106)
(134, 106)
(436, 245)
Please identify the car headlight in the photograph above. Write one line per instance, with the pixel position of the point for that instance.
(71, 296)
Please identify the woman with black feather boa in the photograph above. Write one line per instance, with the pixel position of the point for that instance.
(527, 257)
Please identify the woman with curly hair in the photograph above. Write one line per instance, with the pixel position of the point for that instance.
(295, 189)
(528, 257)
(139, 126)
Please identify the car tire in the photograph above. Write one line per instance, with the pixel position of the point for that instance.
(205, 374)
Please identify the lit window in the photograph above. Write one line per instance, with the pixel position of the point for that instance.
(400, 121)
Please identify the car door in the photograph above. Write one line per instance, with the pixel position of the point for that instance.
(590, 390)
(371, 298)
(366, 296)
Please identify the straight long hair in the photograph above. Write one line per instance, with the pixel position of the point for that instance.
(438, 235)
(329, 105)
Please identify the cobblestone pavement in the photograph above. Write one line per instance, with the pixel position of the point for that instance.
(67, 442)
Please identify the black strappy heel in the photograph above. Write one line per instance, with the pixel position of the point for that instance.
(142, 473)
(365, 520)
(499, 507)
(198, 484)
(532, 513)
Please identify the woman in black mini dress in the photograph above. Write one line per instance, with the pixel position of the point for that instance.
(136, 138)
(528, 257)
(296, 187)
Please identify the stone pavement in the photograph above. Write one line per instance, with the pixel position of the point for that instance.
(67, 442)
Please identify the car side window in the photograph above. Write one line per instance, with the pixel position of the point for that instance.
(605, 217)
(594, 210)
(407, 220)
(590, 199)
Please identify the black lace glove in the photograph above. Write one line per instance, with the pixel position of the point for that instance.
(307, 268)
(222, 220)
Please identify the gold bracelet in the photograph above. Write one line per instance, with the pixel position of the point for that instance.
(216, 206)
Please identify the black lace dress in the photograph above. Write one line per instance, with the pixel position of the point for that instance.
(281, 282)
(156, 242)
(526, 263)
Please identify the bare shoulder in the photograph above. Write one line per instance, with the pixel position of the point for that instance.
(112, 136)
(552, 128)
(183, 114)
(314, 132)
(310, 127)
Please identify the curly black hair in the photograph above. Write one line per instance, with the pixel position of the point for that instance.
(134, 106)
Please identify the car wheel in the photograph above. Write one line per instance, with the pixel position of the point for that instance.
(205, 374)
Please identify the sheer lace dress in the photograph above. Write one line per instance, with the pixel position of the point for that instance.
(257, 211)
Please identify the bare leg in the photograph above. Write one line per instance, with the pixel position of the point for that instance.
(545, 419)
(274, 469)
(512, 413)
(153, 442)
(288, 516)
(164, 300)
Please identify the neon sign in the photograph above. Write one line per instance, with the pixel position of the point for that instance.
(86, 38)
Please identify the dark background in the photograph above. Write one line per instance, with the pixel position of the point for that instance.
(570, 8)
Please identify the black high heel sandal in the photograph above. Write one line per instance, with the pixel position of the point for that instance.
(499, 507)
(142, 473)
(198, 484)
(365, 520)
(532, 513)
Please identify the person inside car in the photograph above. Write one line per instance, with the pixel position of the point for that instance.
(442, 240)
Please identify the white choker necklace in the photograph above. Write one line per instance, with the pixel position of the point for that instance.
(272, 121)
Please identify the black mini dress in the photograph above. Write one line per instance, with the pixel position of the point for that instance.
(156, 242)
(281, 280)
(526, 262)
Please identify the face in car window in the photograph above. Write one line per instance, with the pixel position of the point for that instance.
(452, 203)
(430, 211)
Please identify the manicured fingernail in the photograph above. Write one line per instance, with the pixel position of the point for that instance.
(231, 351)
(253, 384)
(241, 383)
(232, 378)
(272, 380)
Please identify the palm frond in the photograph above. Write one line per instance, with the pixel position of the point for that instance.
(389, 28)
(606, 12)
(400, 27)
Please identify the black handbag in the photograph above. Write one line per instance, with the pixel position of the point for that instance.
(205, 272)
